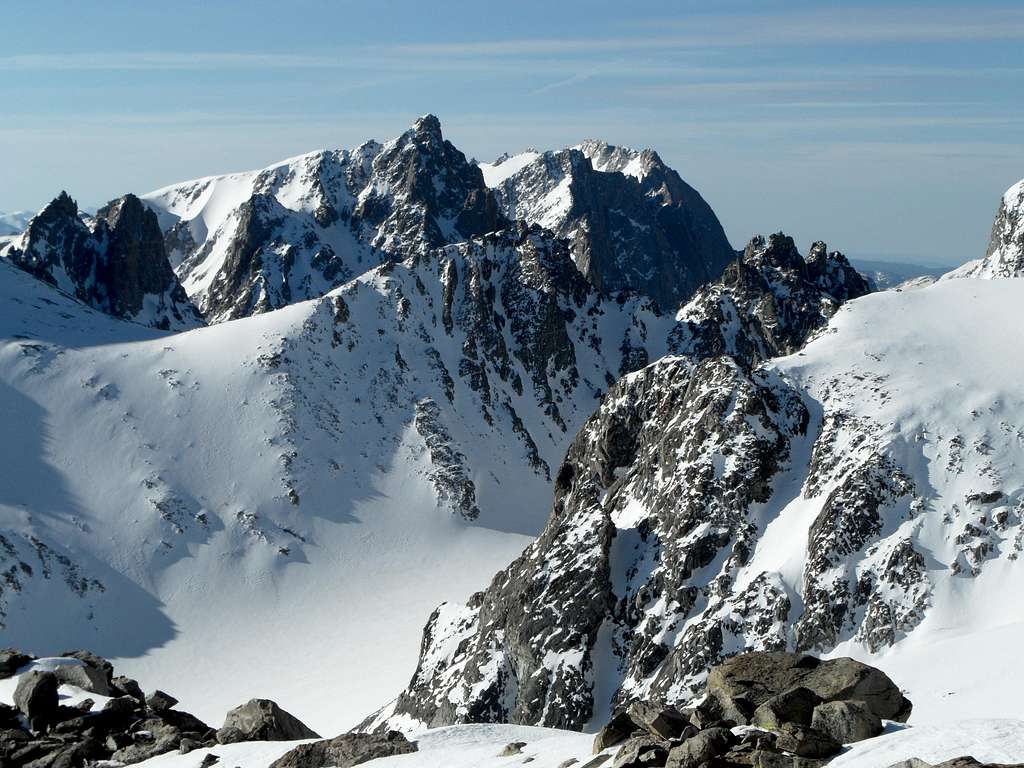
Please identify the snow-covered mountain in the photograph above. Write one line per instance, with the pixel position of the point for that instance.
(408, 352)
(14, 223)
(253, 242)
(863, 497)
(115, 263)
(631, 220)
(1005, 255)
(886, 275)
(383, 447)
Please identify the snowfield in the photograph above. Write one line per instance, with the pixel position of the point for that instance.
(932, 373)
(273, 506)
(148, 472)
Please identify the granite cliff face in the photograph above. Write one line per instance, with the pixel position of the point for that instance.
(117, 265)
(631, 220)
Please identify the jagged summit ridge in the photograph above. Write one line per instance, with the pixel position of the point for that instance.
(425, 406)
(117, 264)
(253, 242)
(661, 473)
(631, 220)
(769, 302)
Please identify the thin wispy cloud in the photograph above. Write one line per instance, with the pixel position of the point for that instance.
(182, 60)
(765, 30)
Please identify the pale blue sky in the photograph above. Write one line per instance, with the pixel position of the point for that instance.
(889, 132)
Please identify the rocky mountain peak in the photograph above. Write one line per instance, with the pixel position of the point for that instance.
(131, 209)
(631, 223)
(61, 206)
(119, 266)
(428, 128)
(769, 301)
(778, 251)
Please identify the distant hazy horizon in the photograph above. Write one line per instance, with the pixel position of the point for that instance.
(897, 149)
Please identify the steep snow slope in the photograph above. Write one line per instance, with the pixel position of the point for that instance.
(505, 166)
(863, 496)
(225, 506)
(922, 379)
(1005, 256)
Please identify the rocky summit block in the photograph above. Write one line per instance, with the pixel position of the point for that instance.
(641, 719)
(262, 720)
(797, 712)
(158, 701)
(346, 750)
(92, 674)
(36, 698)
(640, 751)
(846, 721)
(661, 720)
(793, 706)
(701, 749)
(754, 678)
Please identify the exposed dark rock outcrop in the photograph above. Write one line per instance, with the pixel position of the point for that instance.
(128, 729)
(631, 220)
(800, 713)
(262, 720)
(118, 266)
(1005, 255)
(526, 656)
(346, 750)
(11, 660)
(655, 513)
(315, 222)
(769, 301)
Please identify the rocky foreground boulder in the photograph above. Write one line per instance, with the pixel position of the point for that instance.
(40, 732)
(751, 680)
(762, 709)
(346, 750)
(262, 720)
